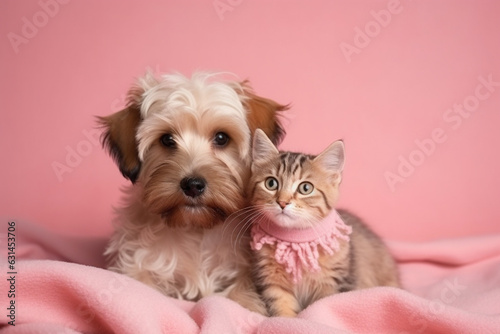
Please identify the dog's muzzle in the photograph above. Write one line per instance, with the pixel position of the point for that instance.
(193, 186)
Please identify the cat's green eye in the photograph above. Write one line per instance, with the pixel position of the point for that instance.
(271, 183)
(305, 188)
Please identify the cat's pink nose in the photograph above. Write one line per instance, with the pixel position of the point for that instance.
(282, 204)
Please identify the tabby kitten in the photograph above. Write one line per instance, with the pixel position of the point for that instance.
(303, 248)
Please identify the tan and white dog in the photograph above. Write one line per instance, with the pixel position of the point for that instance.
(185, 145)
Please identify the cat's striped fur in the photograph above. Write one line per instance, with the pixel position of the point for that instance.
(275, 191)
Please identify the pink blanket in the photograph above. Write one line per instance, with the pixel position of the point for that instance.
(451, 286)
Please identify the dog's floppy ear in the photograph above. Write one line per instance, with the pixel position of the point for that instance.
(118, 137)
(264, 114)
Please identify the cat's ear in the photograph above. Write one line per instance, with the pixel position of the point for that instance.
(263, 148)
(332, 158)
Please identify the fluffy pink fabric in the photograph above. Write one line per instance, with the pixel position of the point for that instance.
(297, 249)
(451, 286)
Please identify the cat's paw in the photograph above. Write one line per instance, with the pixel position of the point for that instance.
(285, 313)
(283, 310)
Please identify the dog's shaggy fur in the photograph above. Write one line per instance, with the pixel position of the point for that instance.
(185, 145)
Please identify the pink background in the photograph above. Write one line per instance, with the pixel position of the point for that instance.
(62, 63)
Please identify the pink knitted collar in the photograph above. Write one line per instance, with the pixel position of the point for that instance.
(297, 249)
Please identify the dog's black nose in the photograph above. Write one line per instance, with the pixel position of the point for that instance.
(193, 186)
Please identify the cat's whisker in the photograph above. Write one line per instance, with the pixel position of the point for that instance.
(247, 223)
(237, 220)
(234, 218)
(253, 218)
(243, 224)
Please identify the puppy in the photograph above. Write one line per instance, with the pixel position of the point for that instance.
(184, 143)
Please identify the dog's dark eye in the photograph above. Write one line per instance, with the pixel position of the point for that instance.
(221, 139)
(167, 140)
